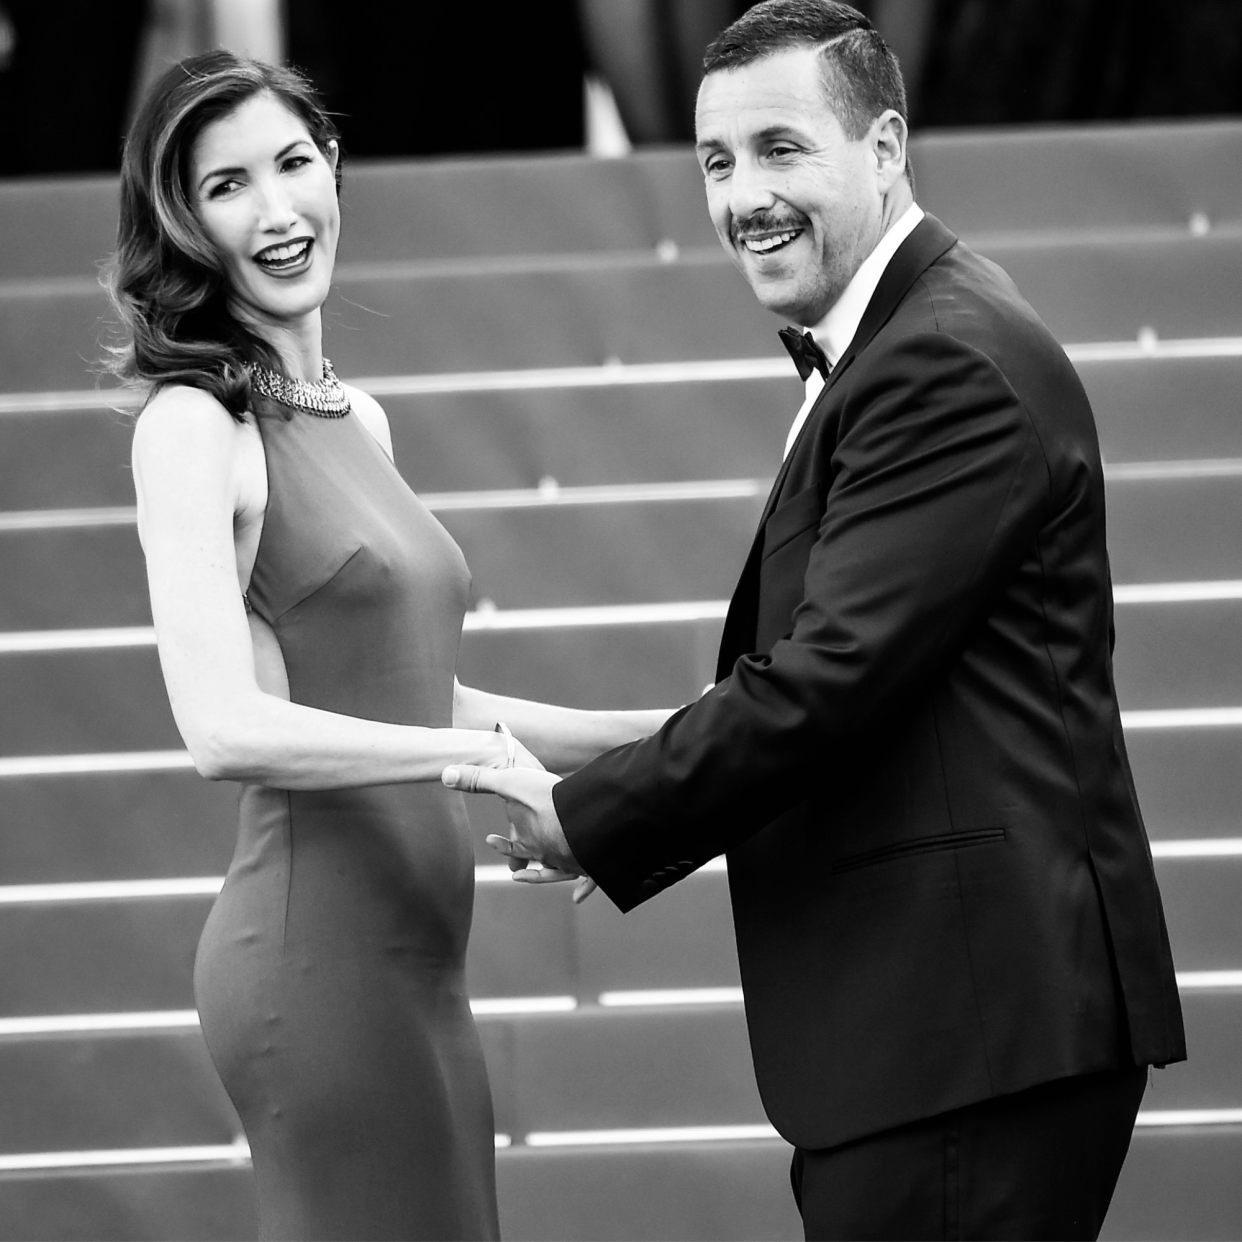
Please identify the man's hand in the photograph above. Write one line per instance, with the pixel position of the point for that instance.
(535, 833)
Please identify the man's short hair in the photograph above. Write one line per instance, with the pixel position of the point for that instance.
(861, 76)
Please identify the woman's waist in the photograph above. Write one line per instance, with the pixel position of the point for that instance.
(397, 833)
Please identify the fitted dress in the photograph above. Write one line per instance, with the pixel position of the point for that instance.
(330, 974)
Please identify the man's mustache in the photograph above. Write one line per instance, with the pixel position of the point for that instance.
(765, 222)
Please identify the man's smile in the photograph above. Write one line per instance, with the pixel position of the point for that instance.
(767, 243)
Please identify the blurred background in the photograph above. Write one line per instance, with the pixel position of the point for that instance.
(585, 392)
(71, 70)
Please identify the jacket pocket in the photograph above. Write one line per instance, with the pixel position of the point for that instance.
(791, 518)
(919, 845)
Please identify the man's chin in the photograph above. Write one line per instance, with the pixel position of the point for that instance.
(791, 306)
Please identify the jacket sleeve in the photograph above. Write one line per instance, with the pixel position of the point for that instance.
(938, 485)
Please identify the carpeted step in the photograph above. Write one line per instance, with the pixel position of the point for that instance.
(191, 1204)
(1203, 912)
(1211, 1077)
(1176, 1184)
(731, 1190)
(115, 826)
(148, 825)
(590, 1069)
(1079, 177)
(1148, 410)
(1175, 530)
(1189, 781)
(88, 701)
(75, 702)
(583, 313)
(1179, 1182)
(572, 555)
(1161, 409)
(1179, 655)
(87, 1093)
(137, 955)
(140, 825)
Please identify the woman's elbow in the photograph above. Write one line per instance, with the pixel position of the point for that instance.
(220, 751)
(213, 760)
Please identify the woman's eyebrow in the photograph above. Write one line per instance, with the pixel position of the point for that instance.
(232, 172)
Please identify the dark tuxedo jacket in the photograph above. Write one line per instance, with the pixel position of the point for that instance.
(941, 883)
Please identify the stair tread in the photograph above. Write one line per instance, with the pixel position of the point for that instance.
(1109, 290)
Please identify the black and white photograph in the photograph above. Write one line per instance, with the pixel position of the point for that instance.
(620, 620)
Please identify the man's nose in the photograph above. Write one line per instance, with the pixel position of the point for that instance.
(749, 191)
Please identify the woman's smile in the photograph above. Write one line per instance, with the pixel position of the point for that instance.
(284, 259)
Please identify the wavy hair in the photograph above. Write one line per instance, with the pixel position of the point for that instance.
(166, 281)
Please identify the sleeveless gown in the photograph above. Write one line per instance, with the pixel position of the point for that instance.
(330, 973)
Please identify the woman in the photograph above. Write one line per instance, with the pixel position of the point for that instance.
(308, 610)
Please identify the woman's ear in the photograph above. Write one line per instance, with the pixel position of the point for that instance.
(334, 154)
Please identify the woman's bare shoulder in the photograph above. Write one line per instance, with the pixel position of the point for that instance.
(186, 420)
(180, 407)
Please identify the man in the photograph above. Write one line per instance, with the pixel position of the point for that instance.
(952, 947)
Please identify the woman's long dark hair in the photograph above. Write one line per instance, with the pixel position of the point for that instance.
(166, 280)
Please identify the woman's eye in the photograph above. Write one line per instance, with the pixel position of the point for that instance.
(223, 188)
(295, 162)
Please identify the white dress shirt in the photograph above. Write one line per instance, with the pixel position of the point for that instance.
(836, 330)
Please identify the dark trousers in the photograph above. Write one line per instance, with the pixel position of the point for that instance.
(1041, 1164)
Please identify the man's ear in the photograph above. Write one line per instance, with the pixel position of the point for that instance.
(889, 134)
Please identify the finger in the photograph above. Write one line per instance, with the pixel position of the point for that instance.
(545, 875)
(586, 886)
(470, 779)
(513, 850)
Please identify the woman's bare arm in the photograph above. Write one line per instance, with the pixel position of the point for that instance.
(561, 738)
(190, 460)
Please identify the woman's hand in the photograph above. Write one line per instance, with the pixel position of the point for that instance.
(510, 753)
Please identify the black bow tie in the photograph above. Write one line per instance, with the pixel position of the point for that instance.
(806, 354)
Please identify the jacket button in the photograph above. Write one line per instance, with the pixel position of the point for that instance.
(650, 886)
(686, 864)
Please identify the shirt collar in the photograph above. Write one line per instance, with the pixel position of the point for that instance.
(836, 330)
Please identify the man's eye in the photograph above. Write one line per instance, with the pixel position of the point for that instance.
(780, 151)
(717, 168)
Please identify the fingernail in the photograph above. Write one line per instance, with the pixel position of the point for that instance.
(450, 776)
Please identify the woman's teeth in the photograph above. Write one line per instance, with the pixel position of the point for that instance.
(774, 241)
(277, 257)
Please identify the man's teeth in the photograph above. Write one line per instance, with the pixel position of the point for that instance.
(291, 253)
(761, 245)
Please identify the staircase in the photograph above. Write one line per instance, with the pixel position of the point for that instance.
(588, 396)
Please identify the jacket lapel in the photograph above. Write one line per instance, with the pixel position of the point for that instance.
(929, 240)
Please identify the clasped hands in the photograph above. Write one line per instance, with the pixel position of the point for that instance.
(535, 833)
